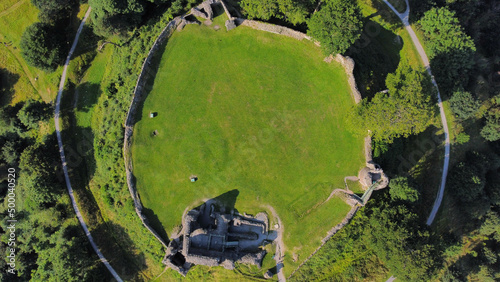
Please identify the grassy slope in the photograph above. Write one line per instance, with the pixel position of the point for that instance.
(275, 111)
(32, 82)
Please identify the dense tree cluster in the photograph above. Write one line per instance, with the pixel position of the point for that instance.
(337, 25)
(449, 48)
(407, 108)
(463, 104)
(44, 44)
(386, 235)
(491, 129)
(50, 244)
(111, 17)
(293, 11)
(53, 11)
(401, 189)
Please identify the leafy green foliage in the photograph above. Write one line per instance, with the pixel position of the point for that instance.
(449, 48)
(462, 138)
(43, 46)
(116, 16)
(50, 245)
(260, 9)
(408, 107)
(491, 131)
(463, 104)
(400, 189)
(11, 151)
(467, 179)
(9, 122)
(33, 112)
(395, 234)
(38, 164)
(293, 11)
(384, 237)
(337, 25)
(52, 11)
(491, 225)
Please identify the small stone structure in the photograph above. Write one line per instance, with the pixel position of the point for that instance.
(215, 238)
(185, 22)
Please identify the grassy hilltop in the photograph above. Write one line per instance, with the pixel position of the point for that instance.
(250, 111)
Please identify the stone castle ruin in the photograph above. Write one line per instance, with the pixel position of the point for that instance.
(216, 238)
(211, 236)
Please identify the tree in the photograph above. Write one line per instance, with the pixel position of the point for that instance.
(400, 189)
(407, 108)
(43, 46)
(11, 151)
(491, 131)
(450, 50)
(491, 225)
(52, 11)
(467, 179)
(463, 104)
(33, 112)
(9, 122)
(263, 9)
(39, 166)
(116, 16)
(67, 256)
(395, 235)
(293, 11)
(337, 25)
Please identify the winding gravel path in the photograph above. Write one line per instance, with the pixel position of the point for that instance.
(405, 19)
(280, 246)
(63, 157)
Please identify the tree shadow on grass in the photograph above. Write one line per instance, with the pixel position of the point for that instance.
(419, 157)
(155, 223)
(88, 41)
(376, 54)
(7, 82)
(88, 94)
(150, 71)
(116, 245)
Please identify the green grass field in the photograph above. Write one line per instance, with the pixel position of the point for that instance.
(24, 80)
(249, 111)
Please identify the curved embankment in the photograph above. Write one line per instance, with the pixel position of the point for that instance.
(130, 121)
(63, 156)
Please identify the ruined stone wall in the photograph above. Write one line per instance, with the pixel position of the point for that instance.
(144, 75)
(348, 64)
(273, 28)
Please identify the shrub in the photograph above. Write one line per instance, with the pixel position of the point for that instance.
(463, 104)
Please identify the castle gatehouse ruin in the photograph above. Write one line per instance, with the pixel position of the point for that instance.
(215, 238)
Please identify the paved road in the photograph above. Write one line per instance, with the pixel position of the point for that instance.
(405, 19)
(63, 157)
